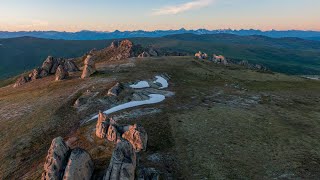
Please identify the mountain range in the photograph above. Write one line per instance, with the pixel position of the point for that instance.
(99, 35)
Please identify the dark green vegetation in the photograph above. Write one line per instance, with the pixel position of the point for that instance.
(223, 122)
(286, 55)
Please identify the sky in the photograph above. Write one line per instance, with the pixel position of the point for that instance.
(110, 15)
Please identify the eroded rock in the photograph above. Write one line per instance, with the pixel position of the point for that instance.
(115, 90)
(123, 162)
(89, 67)
(144, 54)
(21, 81)
(70, 66)
(61, 73)
(56, 159)
(102, 126)
(137, 136)
(80, 166)
(113, 135)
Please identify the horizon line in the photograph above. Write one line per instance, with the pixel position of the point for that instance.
(306, 30)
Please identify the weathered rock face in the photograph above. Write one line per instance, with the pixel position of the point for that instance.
(113, 135)
(115, 90)
(20, 81)
(56, 159)
(80, 166)
(137, 136)
(123, 162)
(48, 64)
(102, 126)
(144, 54)
(120, 50)
(61, 73)
(89, 67)
(35, 74)
(70, 66)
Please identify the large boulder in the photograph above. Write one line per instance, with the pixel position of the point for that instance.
(120, 50)
(116, 89)
(89, 67)
(56, 160)
(80, 166)
(219, 59)
(20, 81)
(102, 125)
(201, 55)
(61, 73)
(123, 162)
(137, 136)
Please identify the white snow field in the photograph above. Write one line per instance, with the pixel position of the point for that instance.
(154, 98)
(162, 81)
(140, 85)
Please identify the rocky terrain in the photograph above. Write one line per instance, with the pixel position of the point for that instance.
(161, 117)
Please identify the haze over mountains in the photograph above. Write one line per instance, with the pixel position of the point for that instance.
(98, 35)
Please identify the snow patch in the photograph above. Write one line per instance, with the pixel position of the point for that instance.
(154, 98)
(140, 85)
(164, 83)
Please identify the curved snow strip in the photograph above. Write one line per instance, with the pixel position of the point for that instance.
(154, 98)
(162, 81)
(140, 85)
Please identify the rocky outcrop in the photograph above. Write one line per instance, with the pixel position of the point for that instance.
(201, 55)
(219, 59)
(89, 67)
(64, 163)
(70, 66)
(21, 81)
(61, 73)
(121, 50)
(143, 55)
(56, 159)
(123, 162)
(152, 52)
(80, 166)
(116, 89)
(50, 66)
(137, 136)
(102, 125)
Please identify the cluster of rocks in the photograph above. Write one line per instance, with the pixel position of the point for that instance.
(220, 59)
(62, 162)
(201, 55)
(129, 139)
(89, 67)
(51, 66)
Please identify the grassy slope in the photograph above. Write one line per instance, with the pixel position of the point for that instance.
(206, 126)
(287, 55)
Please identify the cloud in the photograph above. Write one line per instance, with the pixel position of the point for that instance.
(176, 9)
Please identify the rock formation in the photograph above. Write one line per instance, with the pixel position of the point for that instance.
(49, 66)
(219, 59)
(20, 81)
(123, 162)
(201, 55)
(115, 90)
(152, 52)
(80, 166)
(89, 67)
(56, 160)
(144, 54)
(137, 136)
(61, 73)
(64, 163)
(102, 126)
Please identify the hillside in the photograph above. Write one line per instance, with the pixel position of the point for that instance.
(219, 122)
(286, 55)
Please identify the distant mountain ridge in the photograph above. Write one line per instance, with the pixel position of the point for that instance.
(98, 35)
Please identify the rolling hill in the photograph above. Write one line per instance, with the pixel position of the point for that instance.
(286, 55)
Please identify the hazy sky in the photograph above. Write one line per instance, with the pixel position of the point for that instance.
(109, 15)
